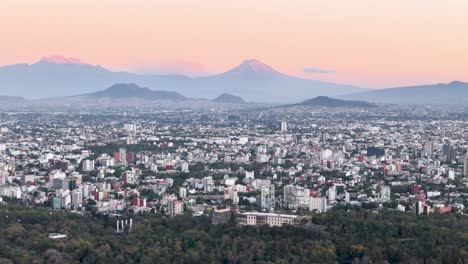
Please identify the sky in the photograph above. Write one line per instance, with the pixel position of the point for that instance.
(367, 43)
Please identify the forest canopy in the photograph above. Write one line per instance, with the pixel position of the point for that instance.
(351, 236)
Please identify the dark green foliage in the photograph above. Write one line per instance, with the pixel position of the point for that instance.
(352, 236)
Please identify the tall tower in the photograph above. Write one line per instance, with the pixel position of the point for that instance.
(465, 166)
(123, 156)
(284, 126)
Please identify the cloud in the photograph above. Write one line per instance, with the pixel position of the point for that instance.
(317, 70)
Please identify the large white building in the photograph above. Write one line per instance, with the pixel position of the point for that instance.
(271, 219)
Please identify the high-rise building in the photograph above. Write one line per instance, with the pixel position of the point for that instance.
(375, 151)
(175, 207)
(296, 197)
(465, 166)
(267, 198)
(122, 156)
(129, 177)
(429, 148)
(449, 152)
(76, 198)
(323, 136)
(63, 184)
(284, 126)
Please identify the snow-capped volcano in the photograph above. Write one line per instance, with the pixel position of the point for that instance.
(251, 68)
(56, 59)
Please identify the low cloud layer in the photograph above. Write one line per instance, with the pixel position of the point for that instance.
(317, 70)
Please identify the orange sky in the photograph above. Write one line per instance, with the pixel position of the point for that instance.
(368, 43)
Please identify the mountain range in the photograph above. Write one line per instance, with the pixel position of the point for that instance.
(252, 80)
(454, 93)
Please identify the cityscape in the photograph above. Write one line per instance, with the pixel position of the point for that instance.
(163, 148)
(261, 166)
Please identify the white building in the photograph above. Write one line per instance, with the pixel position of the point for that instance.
(249, 175)
(154, 167)
(231, 193)
(122, 156)
(182, 192)
(271, 219)
(319, 204)
(284, 126)
(88, 165)
(76, 198)
(129, 177)
(185, 167)
(332, 193)
(130, 127)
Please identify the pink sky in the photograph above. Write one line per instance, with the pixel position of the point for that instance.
(367, 43)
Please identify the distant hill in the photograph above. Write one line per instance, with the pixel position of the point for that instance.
(454, 93)
(228, 99)
(12, 99)
(252, 80)
(325, 101)
(128, 95)
(127, 90)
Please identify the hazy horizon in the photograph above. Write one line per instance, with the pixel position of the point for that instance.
(190, 70)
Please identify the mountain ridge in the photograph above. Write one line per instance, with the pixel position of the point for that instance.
(251, 80)
(453, 93)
